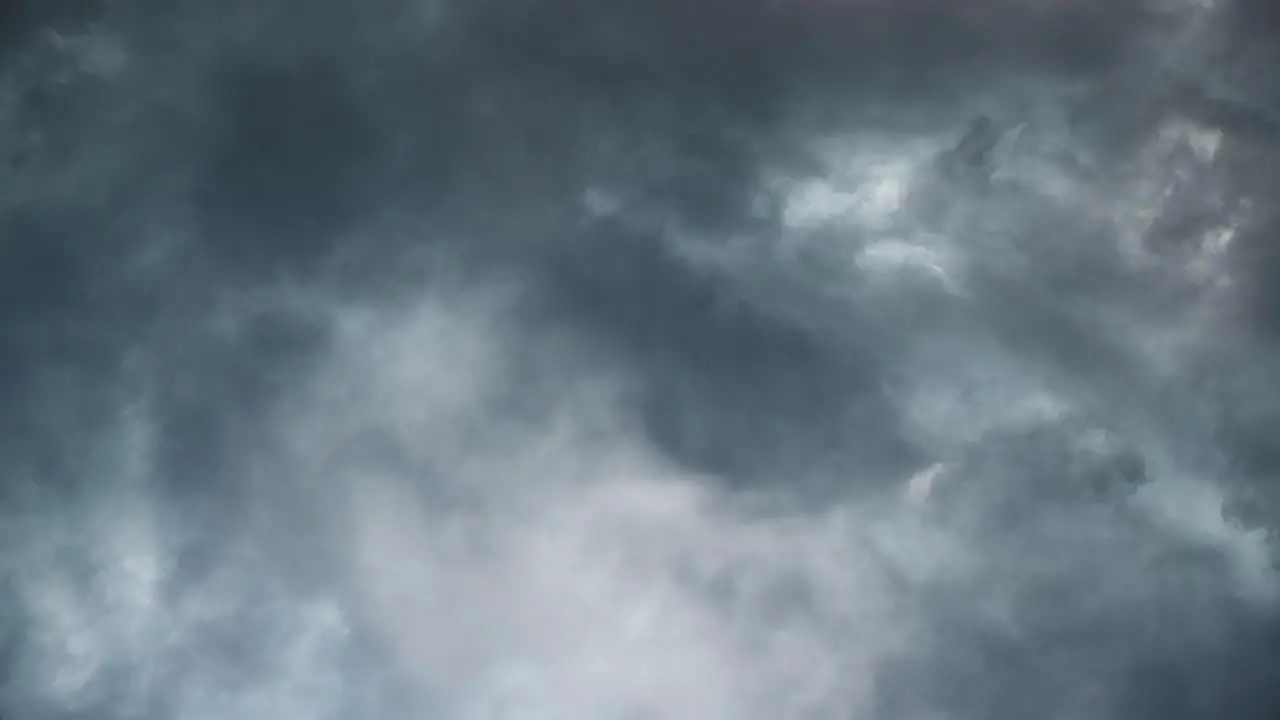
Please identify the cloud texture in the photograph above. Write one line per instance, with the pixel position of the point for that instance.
(751, 360)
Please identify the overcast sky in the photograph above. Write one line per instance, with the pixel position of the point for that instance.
(639, 360)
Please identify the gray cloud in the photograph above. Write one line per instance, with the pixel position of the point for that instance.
(637, 359)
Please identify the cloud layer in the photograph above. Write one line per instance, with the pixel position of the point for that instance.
(553, 359)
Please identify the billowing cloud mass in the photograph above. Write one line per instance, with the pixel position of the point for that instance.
(639, 359)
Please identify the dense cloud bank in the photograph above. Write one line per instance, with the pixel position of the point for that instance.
(639, 359)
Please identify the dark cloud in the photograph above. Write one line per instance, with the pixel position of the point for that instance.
(628, 359)
(292, 170)
(726, 389)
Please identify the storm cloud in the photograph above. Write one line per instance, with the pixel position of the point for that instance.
(639, 359)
